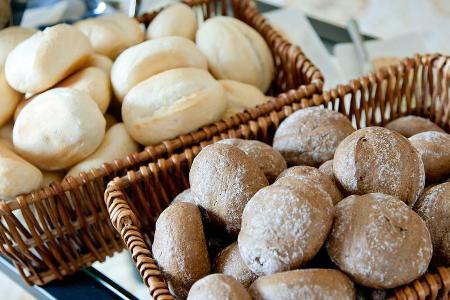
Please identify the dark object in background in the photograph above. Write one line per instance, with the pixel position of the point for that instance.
(5, 13)
(92, 8)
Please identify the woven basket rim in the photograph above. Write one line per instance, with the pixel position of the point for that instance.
(127, 223)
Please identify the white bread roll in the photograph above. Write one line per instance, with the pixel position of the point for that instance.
(172, 103)
(110, 35)
(177, 19)
(152, 57)
(131, 28)
(117, 144)
(46, 58)
(236, 51)
(51, 176)
(241, 96)
(9, 99)
(92, 81)
(17, 176)
(102, 62)
(10, 37)
(58, 128)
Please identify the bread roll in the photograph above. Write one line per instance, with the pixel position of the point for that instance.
(10, 37)
(58, 129)
(22, 103)
(47, 57)
(117, 144)
(310, 136)
(179, 247)
(92, 81)
(266, 158)
(327, 169)
(241, 96)
(51, 176)
(218, 287)
(17, 176)
(284, 226)
(428, 187)
(236, 51)
(434, 148)
(111, 34)
(310, 284)
(229, 262)
(411, 125)
(132, 30)
(177, 19)
(379, 241)
(185, 196)
(315, 177)
(377, 160)
(9, 99)
(434, 208)
(172, 103)
(102, 62)
(224, 194)
(142, 61)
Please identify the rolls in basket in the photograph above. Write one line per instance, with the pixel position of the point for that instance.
(418, 86)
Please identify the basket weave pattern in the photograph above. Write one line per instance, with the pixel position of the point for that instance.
(418, 86)
(62, 228)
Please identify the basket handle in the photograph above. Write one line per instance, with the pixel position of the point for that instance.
(127, 225)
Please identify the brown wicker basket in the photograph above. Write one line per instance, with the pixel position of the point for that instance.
(418, 86)
(62, 228)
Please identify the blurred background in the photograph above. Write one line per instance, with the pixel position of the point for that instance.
(395, 29)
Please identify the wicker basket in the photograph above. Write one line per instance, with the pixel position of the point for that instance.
(418, 86)
(62, 228)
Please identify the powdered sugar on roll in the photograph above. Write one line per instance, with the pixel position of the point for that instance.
(434, 148)
(379, 241)
(434, 208)
(310, 136)
(316, 177)
(284, 226)
(376, 159)
(304, 284)
(229, 262)
(223, 179)
(269, 160)
(411, 125)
